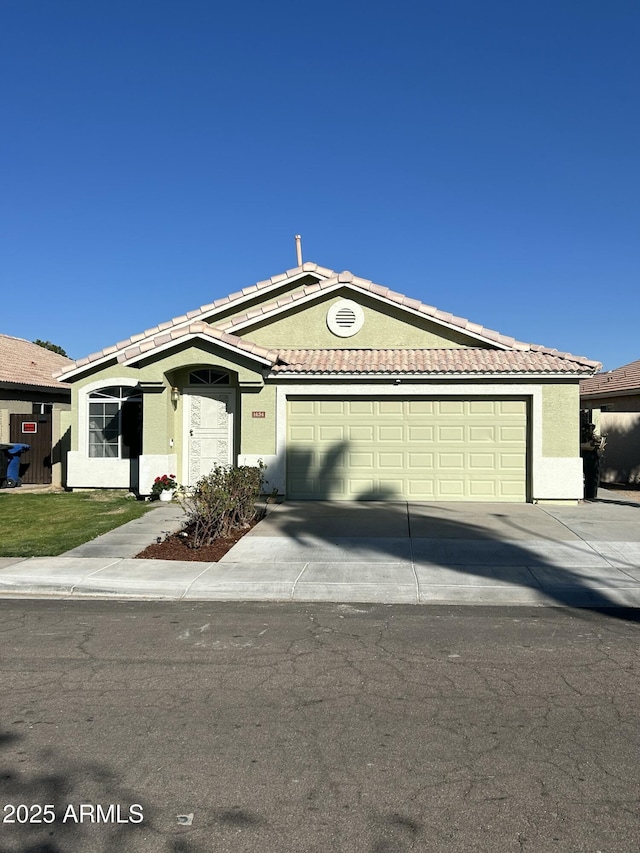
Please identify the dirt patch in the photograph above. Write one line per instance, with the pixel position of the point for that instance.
(179, 546)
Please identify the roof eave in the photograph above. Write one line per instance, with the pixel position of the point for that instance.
(140, 356)
(426, 376)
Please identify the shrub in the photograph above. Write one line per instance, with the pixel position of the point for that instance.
(222, 501)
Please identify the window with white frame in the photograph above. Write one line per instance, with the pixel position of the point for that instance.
(115, 422)
(209, 376)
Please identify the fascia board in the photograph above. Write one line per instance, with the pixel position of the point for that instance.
(410, 377)
(126, 362)
(592, 396)
(205, 316)
(83, 368)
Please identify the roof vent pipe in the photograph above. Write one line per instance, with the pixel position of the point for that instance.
(299, 249)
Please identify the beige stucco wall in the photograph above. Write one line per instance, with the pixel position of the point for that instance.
(384, 326)
(620, 463)
(7, 408)
(561, 420)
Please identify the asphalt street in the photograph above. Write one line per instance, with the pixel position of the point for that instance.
(247, 726)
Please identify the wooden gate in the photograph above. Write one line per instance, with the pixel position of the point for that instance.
(34, 430)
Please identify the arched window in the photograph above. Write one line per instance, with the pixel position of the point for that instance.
(209, 376)
(115, 422)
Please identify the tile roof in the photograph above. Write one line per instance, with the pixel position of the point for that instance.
(328, 280)
(463, 360)
(622, 379)
(200, 330)
(25, 363)
(198, 314)
(458, 323)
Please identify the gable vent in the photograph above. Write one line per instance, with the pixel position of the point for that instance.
(345, 318)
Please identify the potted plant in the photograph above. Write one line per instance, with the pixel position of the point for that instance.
(164, 486)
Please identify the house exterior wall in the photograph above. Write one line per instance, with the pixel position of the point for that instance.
(306, 328)
(555, 467)
(561, 420)
(11, 407)
(619, 403)
(162, 421)
(620, 463)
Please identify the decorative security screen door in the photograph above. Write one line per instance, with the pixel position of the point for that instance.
(209, 432)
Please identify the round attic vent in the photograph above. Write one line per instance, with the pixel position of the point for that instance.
(345, 318)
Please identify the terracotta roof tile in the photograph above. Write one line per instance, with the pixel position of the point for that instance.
(25, 363)
(202, 329)
(460, 360)
(625, 378)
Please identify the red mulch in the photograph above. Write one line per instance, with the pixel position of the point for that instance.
(177, 547)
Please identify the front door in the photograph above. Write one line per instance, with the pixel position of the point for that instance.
(209, 432)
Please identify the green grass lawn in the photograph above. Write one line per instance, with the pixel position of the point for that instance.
(45, 525)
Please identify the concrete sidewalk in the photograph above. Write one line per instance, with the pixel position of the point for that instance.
(392, 552)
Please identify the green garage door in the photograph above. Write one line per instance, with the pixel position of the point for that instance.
(409, 449)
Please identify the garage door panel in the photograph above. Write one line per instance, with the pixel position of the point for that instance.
(331, 433)
(449, 434)
(450, 461)
(421, 489)
(361, 460)
(481, 434)
(511, 407)
(360, 407)
(484, 461)
(420, 407)
(421, 461)
(391, 433)
(482, 407)
(390, 407)
(420, 433)
(407, 448)
(485, 489)
(450, 407)
(303, 434)
(447, 489)
(517, 434)
(360, 433)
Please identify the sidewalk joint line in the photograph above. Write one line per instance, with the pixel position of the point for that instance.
(586, 541)
(293, 588)
(189, 585)
(413, 565)
(94, 572)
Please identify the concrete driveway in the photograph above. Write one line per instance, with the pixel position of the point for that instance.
(446, 552)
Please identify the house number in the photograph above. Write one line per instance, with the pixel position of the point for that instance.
(258, 414)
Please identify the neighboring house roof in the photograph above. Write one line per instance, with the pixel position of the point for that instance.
(465, 360)
(326, 281)
(622, 380)
(25, 363)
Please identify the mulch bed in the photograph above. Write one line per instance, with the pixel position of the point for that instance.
(178, 546)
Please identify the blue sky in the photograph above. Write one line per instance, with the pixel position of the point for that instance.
(482, 157)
